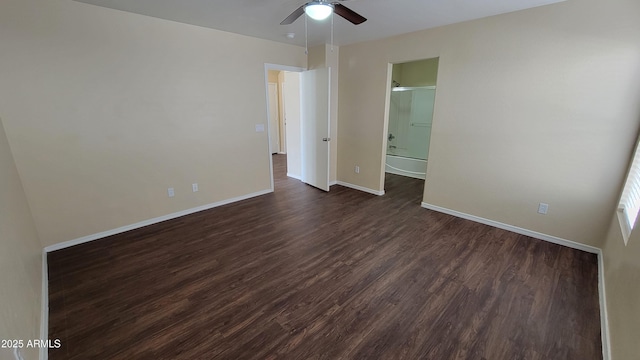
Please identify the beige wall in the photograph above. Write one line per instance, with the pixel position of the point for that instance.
(622, 271)
(106, 109)
(20, 259)
(317, 57)
(416, 73)
(322, 56)
(540, 105)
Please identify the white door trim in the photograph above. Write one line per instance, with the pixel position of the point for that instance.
(273, 90)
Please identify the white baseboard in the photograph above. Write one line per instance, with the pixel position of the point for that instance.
(404, 173)
(515, 229)
(604, 320)
(140, 224)
(44, 315)
(361, 188)
(331, 183)
(604, 316)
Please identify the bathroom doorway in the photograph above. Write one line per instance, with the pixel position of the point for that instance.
(410, 117)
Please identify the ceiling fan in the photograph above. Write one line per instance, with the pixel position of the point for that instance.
(321, 9)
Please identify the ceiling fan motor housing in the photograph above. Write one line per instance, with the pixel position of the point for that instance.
(324, 8)
(318, 10)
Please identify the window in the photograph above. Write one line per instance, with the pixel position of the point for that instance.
(630, 200)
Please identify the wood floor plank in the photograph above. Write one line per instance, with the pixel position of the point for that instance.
(304, 274)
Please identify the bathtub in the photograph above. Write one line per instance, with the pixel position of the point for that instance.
(399, 165)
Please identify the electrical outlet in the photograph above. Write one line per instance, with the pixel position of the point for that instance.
(357, 169)
(194, 187)
(543, 208)
(170, 192)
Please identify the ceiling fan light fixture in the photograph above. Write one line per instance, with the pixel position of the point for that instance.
(318, 10)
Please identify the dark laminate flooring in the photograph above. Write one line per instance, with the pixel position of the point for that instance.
(302, 274)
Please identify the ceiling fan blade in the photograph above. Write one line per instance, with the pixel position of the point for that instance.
(348, 14)
(294, 16)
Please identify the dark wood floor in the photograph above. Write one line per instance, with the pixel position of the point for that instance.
(302, 274)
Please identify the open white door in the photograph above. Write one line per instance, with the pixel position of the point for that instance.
(291, 101)
(315, 127)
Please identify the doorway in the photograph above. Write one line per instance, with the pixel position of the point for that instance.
(298, 122)
(283, 99)
(411, 102)
(277, 145)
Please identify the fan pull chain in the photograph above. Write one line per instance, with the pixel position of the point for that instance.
(306, 41)
(332, 30)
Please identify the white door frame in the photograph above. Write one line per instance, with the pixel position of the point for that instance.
(277, 67)
(387, 109)
(273, 91)
(385, 129)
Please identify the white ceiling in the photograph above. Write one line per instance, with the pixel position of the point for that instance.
(261, 18)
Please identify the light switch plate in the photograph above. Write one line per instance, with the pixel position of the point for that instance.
(259, 127)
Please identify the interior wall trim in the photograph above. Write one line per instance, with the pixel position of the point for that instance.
(155, 220)
(515, 229)
(44, 299)
(604, 316)
(361, 188)
(604, 319)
